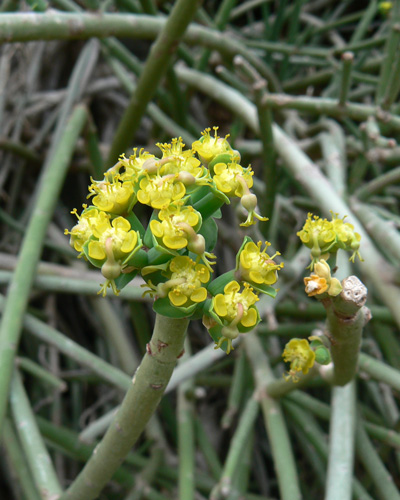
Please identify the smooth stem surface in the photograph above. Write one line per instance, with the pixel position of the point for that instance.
(20, 286)
(234, 457)
(341, 443)
(32, 443)
(345, 319)
(154, 69)
(274, 421)
(374, 466)
(140, 402)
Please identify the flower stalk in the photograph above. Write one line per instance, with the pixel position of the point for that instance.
(140, 402)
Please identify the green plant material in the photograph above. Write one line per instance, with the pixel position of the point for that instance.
(207, 449)
(375, 186)
(374, 466)
(141, 400)
(186, 448)
(275, 425)
(40, 373)
(346, 317)
(379, 371)
(30, 253)
(345, 82)
(38, 459)
(155, 67)
(16, 459)
(237, 388)
(233, 459)
(341, 443)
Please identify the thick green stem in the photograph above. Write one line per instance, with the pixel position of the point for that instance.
(140, 402)
(346, 317)
(341, 443)
(156, 66)
(21, 283)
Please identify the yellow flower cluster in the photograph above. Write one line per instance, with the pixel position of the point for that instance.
(301, 357)
(186, 189)
(326, 237)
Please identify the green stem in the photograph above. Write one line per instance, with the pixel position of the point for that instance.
(233, 459)
(379, 371)
(237, 388)
(347, 64)
(40, 373)
(17, 460)
(346, 317)
(21, 283)
(378, 184)
(35, 451)
(154, 69)
(341, 443)
(207, 449)
(140, 402)
(186, 448)
(374, 466)
(274, 421)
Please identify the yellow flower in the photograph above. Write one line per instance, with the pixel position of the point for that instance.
(257, 266)
(235, 306)
(114, 197)
(301, 357)
(321, 281)
(317, 233)
(171, 229)
(209, 147)
(82, 231)
(134, 164)
(184, 286)
(232, 179)
(160, 192)
(346, 237)
(122, 237)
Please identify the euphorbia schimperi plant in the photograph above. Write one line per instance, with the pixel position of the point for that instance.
(186, 189)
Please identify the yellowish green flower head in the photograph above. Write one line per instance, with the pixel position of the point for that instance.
(300, 356)
(87, 221)
(113, 197)
(123, 239)
(232, 179)
(325, 237)
(133, 165)
(160, 192)
(185, 284)
(209, 147)
(385, 8)
(256, 266)
(171, 228)
(320, 281)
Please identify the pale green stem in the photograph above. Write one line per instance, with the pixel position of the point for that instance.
(17, 461)
(378, 184)
(346, 317)
(374, 466)
(186, 448)
(140, 402)
(341, 443)
(19, 289)
(36, 454)
(41, 373)
(345, 83)
(154, 69)
(233, 459)
(274, 421)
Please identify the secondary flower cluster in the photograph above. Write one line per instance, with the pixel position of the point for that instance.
(324, 238)
(185, 188)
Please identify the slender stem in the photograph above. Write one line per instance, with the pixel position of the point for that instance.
(21, 283)
(42, 374)
(207, 449)
(347, 64)
(379, 371)
(154, 69)
(186, 448)
(141, 400)
(374, 466)
(17, 460)
(36, 454)
(378, 184)
(233, 459)
(341, 443)
(237, 388)
(275, 424)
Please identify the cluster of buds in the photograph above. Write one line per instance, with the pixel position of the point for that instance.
(324, 238)
(173, 253)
